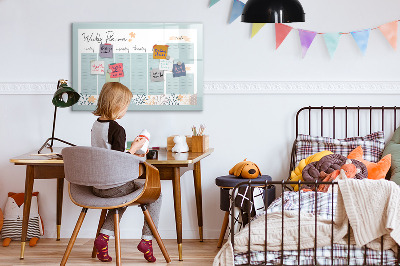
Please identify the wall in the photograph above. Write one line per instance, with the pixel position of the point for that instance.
(36, 47)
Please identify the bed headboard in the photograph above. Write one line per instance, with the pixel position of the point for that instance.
(344, 121)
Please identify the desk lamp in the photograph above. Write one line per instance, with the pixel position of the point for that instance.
(273, 11)
(63, 97)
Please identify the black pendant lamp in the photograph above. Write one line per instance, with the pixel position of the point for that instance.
(273, 11)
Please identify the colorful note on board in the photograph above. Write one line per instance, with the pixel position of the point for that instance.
(160, 51)
(156, 75)
(117, 70)
(179, 70)
(97, 67)
(166, 64)
(106, 50)
(109, 79)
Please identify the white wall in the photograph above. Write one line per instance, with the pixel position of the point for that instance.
(35, 39)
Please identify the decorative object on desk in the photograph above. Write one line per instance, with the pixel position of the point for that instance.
(180, 144)
(152, 155)
(166, 89)
(273, 11)
(171, 143)
(63, 97)
(12, 225)
(245, 169)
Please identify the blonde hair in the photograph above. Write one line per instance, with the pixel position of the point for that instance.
(113, 97)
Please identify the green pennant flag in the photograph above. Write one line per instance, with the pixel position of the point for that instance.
(213, 2)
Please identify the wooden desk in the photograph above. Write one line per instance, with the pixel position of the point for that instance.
(171, 167)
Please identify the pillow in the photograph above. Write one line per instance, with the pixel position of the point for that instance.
(393, 148)
(375, 170)
(372, 144)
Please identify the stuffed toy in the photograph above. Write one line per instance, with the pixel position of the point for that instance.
(348, 170)
(13, 215)
(296, 174)
(375, 170)
(245, 169)
(180, 144)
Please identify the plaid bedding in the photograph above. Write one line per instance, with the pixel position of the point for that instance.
(323, 207)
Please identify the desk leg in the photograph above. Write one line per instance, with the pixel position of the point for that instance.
(27, 206)
(60, 190)
(199, 204)
(176, 182)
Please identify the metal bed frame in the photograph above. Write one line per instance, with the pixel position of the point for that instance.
(283, 184)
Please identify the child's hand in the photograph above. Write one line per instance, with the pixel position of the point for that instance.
(137, 144)
(143, 155)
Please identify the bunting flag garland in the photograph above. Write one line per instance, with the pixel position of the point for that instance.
(237, 9)
(213, 2)
(306, 39)
(389, 30)
(256, 27)
(281, 31)
(332, 41)
(361, 37)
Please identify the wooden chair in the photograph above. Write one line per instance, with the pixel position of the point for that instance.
(85, 167)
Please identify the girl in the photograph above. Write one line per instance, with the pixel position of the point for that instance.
(113, 103)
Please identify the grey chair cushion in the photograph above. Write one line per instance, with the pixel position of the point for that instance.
(83, 196)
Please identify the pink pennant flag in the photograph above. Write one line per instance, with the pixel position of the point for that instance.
(281, 31)
(306, 39)
(389, 30)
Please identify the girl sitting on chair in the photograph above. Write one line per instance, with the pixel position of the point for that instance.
(113, 103)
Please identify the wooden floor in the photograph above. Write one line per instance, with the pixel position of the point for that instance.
(50, 252)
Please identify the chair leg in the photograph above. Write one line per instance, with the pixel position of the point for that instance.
(73, 237)
(117, 239)
(101, 222)
(223, 229)
(154, 230)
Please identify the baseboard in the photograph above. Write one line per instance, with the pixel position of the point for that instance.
(246, 87)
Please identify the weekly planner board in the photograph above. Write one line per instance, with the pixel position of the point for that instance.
(161, 63)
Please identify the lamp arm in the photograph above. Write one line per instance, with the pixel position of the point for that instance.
(54, 126)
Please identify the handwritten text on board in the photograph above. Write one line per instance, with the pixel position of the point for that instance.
(156, 75)
(166, 64)
(179, 70)
(117, 70)
(97, 67)
(160, 51)
(106, 50)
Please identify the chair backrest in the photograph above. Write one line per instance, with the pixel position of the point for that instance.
(92, 166)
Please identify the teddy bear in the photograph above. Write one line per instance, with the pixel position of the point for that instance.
(180, 144)
(13, 215)
(245, 169)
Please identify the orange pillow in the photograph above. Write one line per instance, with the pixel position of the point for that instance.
(375, 170)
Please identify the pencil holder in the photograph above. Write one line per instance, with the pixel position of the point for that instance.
(200, 143)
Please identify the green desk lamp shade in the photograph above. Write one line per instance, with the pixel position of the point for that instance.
(63, 97)
(273, 11)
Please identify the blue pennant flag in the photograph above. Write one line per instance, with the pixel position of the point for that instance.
(361, 37)
(213, 2)
(237, 9)
(332, 41)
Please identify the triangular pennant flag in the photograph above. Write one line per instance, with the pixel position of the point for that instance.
(332, 41)
(237, 9)
(306, 39)
(390, 32)
(256, 28)
(281, 31)
(361, 37)
(213, 2)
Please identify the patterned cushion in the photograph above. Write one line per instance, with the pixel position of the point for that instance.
(372, 144)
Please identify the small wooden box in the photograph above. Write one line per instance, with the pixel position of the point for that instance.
(200, 143)
(171, 143)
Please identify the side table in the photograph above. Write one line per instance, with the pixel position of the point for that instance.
(226, 183)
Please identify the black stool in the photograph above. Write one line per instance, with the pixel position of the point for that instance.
(226, 183)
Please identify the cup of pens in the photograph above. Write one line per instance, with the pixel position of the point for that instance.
(199, 140)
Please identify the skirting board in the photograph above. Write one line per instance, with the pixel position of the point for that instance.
(250, 87)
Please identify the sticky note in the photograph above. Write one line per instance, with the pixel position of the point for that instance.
(106, 50)
(160, 51)
(109, 79)
(166, 64)
(117, 70)
(97, 67)
(179, 70)
(156, 75)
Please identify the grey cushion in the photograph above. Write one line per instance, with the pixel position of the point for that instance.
(393, 148)
(83, 195)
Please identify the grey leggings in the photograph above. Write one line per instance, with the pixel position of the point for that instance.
(154, 208)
